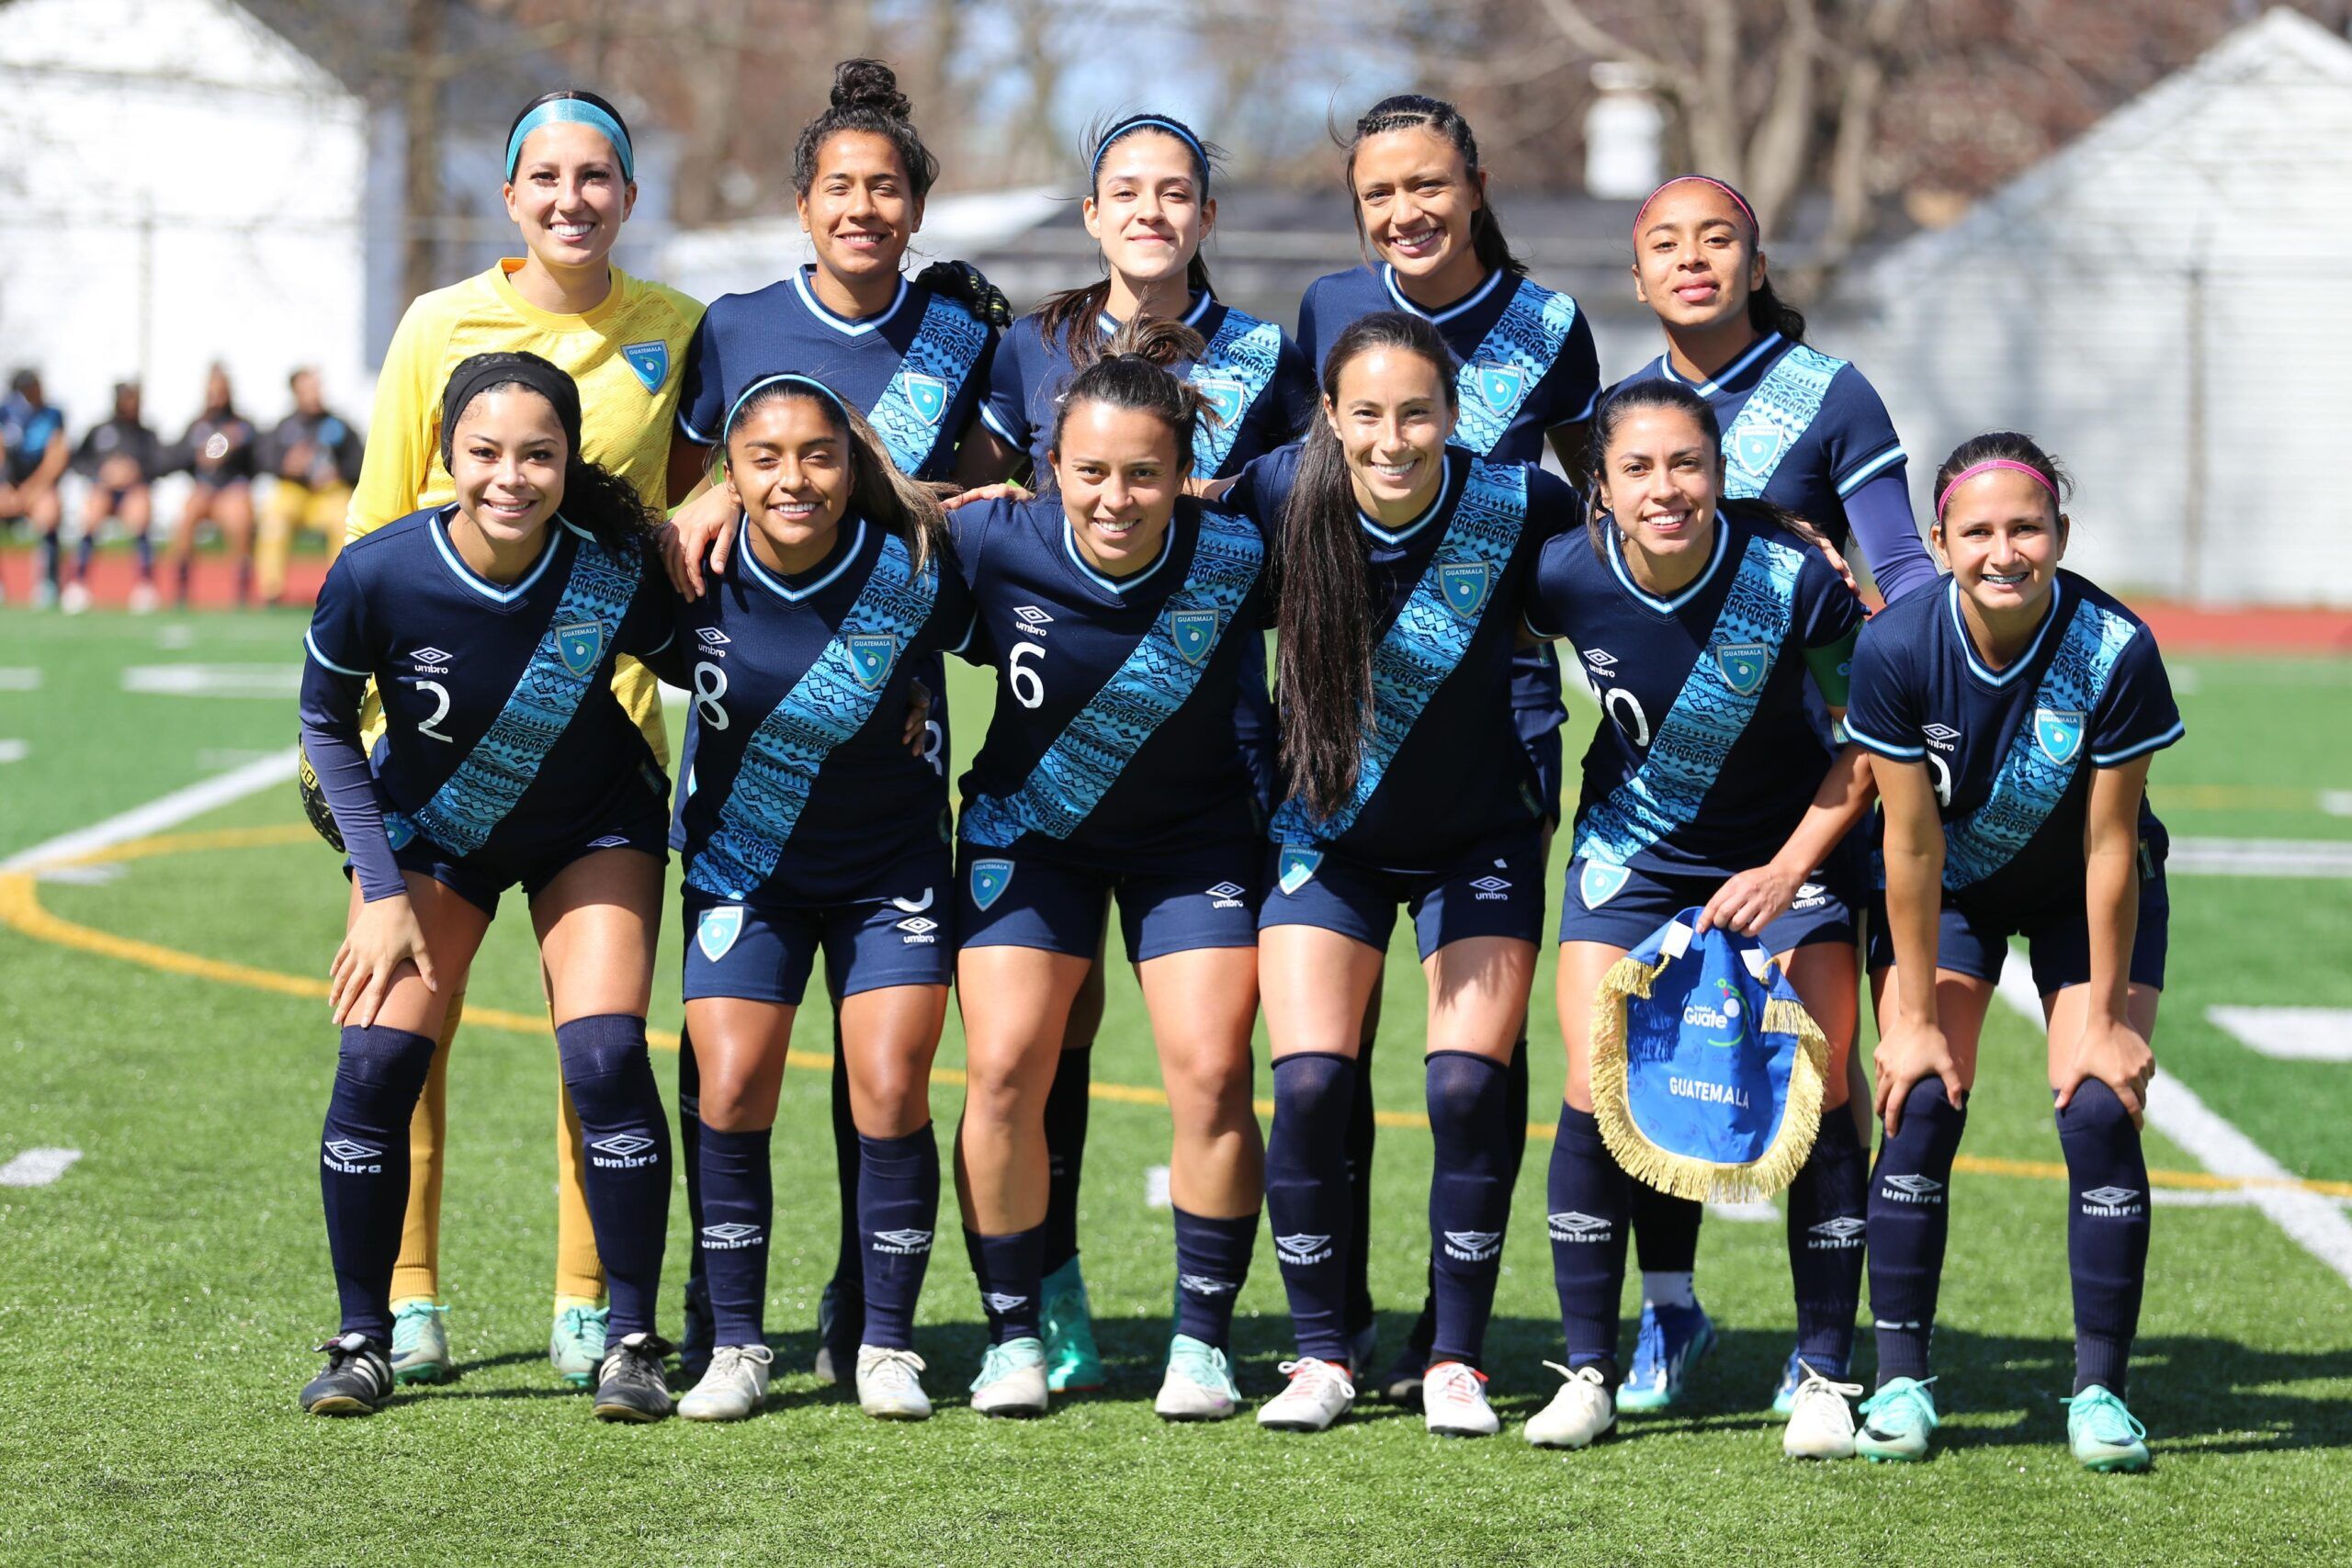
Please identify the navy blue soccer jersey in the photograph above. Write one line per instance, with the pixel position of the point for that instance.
(1808, 434)
(1113, 742)
(1707, 760)
(25, 435)
(1442, 766)
(918, 370)
(1253, 375)
(797, 788)
(2011, 750)
(501, 733)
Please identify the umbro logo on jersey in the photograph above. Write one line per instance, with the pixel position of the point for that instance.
(1600, 659)
(732, 1236)
(1940, 736)
(1574, 1226)
(609, 841)
(918, 930)
(902, 1244)
(349, 1156)
(1492, 888)
(1473, 1246)
(1909, 1189)
(1001, 1304)
(622, 1151)
(1302, 1249)
(2112, 1203)
(432, 660)
(713, 637)
(1228, 895)
(1033, 620)
(1838, 1235)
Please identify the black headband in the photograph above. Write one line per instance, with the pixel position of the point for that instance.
(476, 375)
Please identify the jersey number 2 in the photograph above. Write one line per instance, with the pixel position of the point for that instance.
(440, 711)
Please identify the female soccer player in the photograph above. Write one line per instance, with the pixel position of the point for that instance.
(1148, 206)
(1527, 372)
(121, 458)
(1699, 618)
(1401, 559)
(218, 452)
(2013, 715)
(569, 186)
(1807, 433)
(1116, 614)
(808, 827)
(913, 358)
(33, 456)
(489, 627)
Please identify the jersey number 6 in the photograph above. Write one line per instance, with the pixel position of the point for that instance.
(1028, 686)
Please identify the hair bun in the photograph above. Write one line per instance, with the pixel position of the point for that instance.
(1155, 341)
(869, 84)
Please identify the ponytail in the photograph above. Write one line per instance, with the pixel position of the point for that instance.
(1134, 372)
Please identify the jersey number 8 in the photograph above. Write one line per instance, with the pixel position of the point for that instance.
(706, 696)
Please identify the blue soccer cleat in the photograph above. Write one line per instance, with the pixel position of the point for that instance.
(1669, 1342)
(1072, 1363)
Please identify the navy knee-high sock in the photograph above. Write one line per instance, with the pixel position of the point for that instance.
(84, 548)
(1908, 1220)
(1011, 1272)
(1826, 1220)
(849, 1256)
(1212, 1265)
(2106, 1232)
(1066, 1106)
(145, 545)
(49, 566)
(731, 1240)
(1423, 1334)
(363, 1169)
(898, 1206)
(1666, 1231)
(1587, 1201)
(1360, 1131)
(690, 1156)
(1308, 1203)
(1469, 1107)
(627, 1140)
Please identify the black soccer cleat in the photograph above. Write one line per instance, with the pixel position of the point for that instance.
(357, 1380)
(632, 1385)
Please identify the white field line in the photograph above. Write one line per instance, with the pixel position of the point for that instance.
(2289, 1034)
(37, 1167)
(2259, 857)
(169, 811)
(2314, 1223)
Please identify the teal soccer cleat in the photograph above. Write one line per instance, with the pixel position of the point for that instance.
(2103, 1434)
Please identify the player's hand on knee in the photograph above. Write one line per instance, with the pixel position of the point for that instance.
(384, 938)
(1908, 1055)
(2112, 1051)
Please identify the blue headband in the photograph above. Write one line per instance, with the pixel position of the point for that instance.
(571, 111)
(727, 427)
(1149, 122)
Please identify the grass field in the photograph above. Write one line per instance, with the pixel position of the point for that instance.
(160, 1012)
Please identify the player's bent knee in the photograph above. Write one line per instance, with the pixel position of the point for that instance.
(603, 1056)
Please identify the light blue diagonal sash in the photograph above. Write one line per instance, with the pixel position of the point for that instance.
(2033, 780)
(1233, 373)
(1517, 351)
(1428, 640)
(911, 413)
(1085, 760)
(833, 699)
(1776, 413)
(476, 798)
(1718, 698)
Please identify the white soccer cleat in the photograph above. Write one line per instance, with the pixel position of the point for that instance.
(1820, 1424)
(74, 598)
(1454, 1402)
(1198, 1385)
(1318, 1394)
(734, 1388)
(144, 599)
(1579, 1412)
(890, 1384)
(1012, 1379)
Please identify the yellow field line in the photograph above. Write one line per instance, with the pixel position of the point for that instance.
(21, 910)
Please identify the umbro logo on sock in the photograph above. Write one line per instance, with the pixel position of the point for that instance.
(1001, 1304)
(902, 1244)
(1573, 1226)
(1302, 1249)
(1473, 1246)
(2113, 1203)
(348, 1156)
(622, 1151)
(1910, 1188)
(1838, 1235)
(1202, 1285)
(732, 1236)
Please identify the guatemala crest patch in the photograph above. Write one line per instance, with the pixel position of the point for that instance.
(990, 879)
(871, 655)
(650, 360)
(1194, 632)
(717, 930)
(927, 393)
(1226, 398)
(1743, 664)
(1759, 450)
(1499, 386)
(580, 644)
(1464, 585)
(1296, 867)
(1599, 883)
(2058, 733)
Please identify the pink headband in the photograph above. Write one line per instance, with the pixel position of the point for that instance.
(1755, 230)
(1970, 472)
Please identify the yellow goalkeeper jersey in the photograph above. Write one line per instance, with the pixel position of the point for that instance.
(627, 356)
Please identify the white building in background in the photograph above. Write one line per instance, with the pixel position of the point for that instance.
(2161, 304)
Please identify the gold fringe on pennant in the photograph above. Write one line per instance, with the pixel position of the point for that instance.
(1686, 1176)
